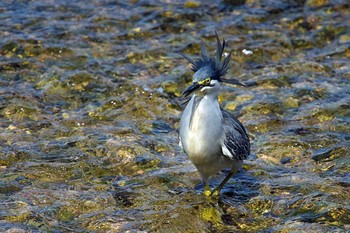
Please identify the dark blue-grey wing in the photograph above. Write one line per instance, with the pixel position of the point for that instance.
(236, 144)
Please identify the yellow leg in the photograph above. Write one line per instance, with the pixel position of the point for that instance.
(216, 191)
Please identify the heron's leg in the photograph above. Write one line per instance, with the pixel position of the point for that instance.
(205, 178)
(216, 191)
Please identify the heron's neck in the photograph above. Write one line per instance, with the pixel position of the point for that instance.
(209, 104)
(207, 114)
(211, 97)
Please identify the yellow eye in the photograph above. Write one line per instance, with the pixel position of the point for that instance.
(205, 82)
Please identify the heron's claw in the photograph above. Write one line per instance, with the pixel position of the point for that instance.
(215, 193)
(207, 191)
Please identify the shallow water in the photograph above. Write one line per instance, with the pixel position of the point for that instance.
(89, 107)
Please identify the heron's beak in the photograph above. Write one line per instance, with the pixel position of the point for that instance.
(194, 86)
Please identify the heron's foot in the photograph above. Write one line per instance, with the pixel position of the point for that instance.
(215, 192)
(207, 190)
(211, 193)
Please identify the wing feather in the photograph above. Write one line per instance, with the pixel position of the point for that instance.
(236, 144)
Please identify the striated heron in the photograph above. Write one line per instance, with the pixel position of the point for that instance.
(212, 137)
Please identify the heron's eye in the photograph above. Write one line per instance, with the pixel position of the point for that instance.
(205, 82)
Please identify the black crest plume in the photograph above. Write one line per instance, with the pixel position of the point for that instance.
(219, 68)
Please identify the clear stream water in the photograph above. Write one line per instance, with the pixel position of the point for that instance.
(90, 105)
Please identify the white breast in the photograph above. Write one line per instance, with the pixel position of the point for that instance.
(205, 132)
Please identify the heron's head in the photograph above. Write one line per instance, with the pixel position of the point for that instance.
(208, 71)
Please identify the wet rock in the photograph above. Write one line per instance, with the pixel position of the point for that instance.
(161, 127)
(15, 230)
(192, 4)
(145, 161)
(286, 160)
(235, 2)
(316, 3)
(260, 205)
(123, 198)
(7, 188)
(170, 88)
(291, 102)
(322, 154)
